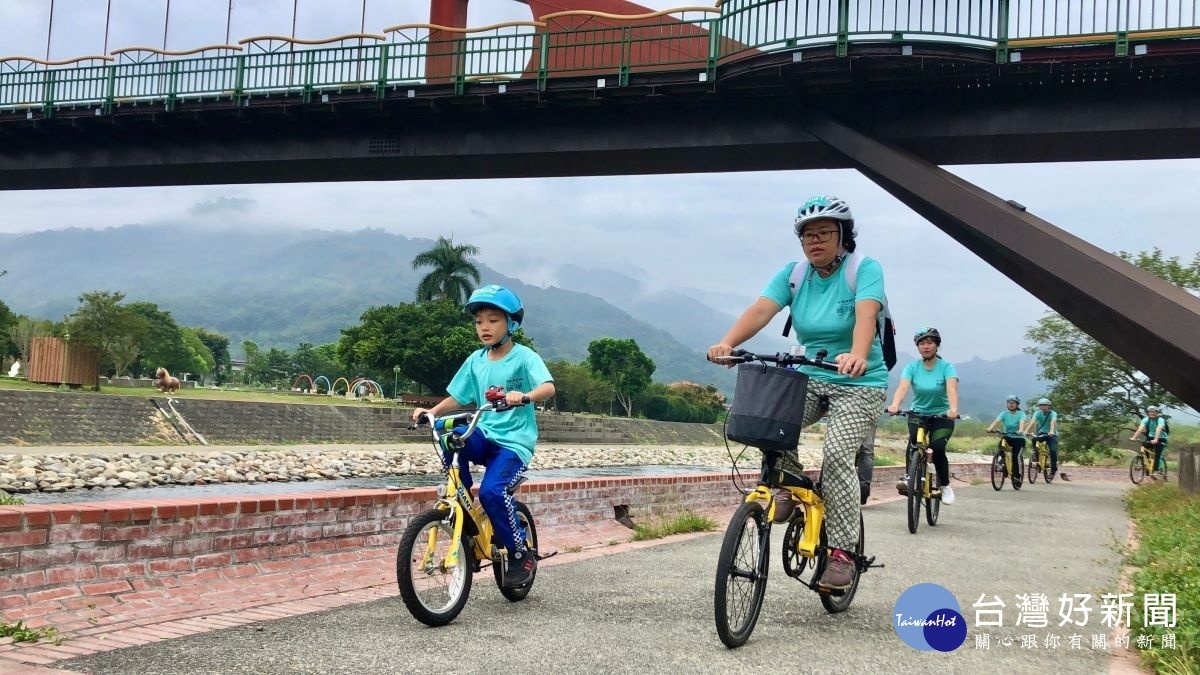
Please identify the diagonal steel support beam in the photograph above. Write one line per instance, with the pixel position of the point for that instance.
(1150, 323)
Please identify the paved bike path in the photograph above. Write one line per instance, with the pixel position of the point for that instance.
(650, 610)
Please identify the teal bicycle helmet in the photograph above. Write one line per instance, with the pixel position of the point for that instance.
(498, 297)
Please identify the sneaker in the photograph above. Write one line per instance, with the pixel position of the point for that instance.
(947, 495)
(839, 571)
(519, 568)
(1064, 476)
(902, 485)
(784, 506)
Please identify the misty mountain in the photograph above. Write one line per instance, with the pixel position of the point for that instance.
(283, 287)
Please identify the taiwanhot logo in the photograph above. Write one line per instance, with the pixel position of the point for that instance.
(927, 617)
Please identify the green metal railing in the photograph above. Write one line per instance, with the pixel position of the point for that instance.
(585, 44)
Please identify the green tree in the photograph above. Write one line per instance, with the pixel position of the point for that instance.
(578, 389)
(218, 345)
(1099, 394)
(622, 364)
(453, 273)
(8, 321)
(162, 344)
(203, 360)
(25, 330)
(104, 324)
(429, 341)
(318, 360)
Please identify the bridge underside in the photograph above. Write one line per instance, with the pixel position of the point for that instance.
(947, 107)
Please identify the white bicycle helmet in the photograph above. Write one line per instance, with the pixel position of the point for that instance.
(823, 206)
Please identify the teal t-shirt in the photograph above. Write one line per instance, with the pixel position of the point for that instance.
(929, 385)
(520, 370)
(1152, 426)
(1012, 421)
(823, 317)
(1042, 421)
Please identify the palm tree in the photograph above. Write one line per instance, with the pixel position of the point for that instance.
(452, 274)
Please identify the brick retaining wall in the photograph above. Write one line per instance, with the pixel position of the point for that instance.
(67, 565)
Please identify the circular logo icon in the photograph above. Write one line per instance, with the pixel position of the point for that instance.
(927, 617)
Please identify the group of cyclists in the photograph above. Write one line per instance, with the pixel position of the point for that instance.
(839, 315)
(830, 311)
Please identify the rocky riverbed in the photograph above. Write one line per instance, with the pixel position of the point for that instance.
(64, 469)
(60, 472)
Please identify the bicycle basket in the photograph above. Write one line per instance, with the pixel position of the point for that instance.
(768, 407)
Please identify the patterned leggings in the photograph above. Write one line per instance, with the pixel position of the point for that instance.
(853, 411)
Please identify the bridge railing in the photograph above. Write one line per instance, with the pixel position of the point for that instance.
(579, 43)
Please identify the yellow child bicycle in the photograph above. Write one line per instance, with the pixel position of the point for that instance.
(743, 562)
(443, 547)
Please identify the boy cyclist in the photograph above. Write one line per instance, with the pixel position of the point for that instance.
(503, 442)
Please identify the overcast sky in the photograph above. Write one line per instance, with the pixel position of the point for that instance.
(668, 230)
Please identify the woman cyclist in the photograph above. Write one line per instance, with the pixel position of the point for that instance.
(934, 382)
(1155, 427)
(1013, 421)
(827, 315)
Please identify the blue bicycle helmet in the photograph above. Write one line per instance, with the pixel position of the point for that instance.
(498, 297)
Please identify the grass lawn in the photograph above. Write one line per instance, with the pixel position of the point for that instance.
(244, 395)
(1168, 562)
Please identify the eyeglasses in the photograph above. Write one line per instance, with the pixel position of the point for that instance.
(818, 237)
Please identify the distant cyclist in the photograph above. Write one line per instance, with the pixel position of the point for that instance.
(1013, 421)
(1155, 428)
(1045, 421)
(934, 382)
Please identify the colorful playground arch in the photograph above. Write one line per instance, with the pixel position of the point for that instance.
(373, 387)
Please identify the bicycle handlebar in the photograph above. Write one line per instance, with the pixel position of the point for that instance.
(911, 413)
(497, 405)
(778, 358)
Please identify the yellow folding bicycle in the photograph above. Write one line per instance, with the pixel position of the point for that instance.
(743, 562)
(1002, 464)
(1039, 462)
(923, 486)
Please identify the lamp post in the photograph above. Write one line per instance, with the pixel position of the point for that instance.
(395, 379)
(62, 380)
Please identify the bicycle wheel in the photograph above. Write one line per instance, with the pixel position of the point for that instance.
(915, 476)
(832, 603)
(742, 574)
(794, 564)
(998, 470)
(1047, 473)
(519, 593)
(1137, 470)
(1018, 472)
(433, 593)
(933, 505)
(1034, 466)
